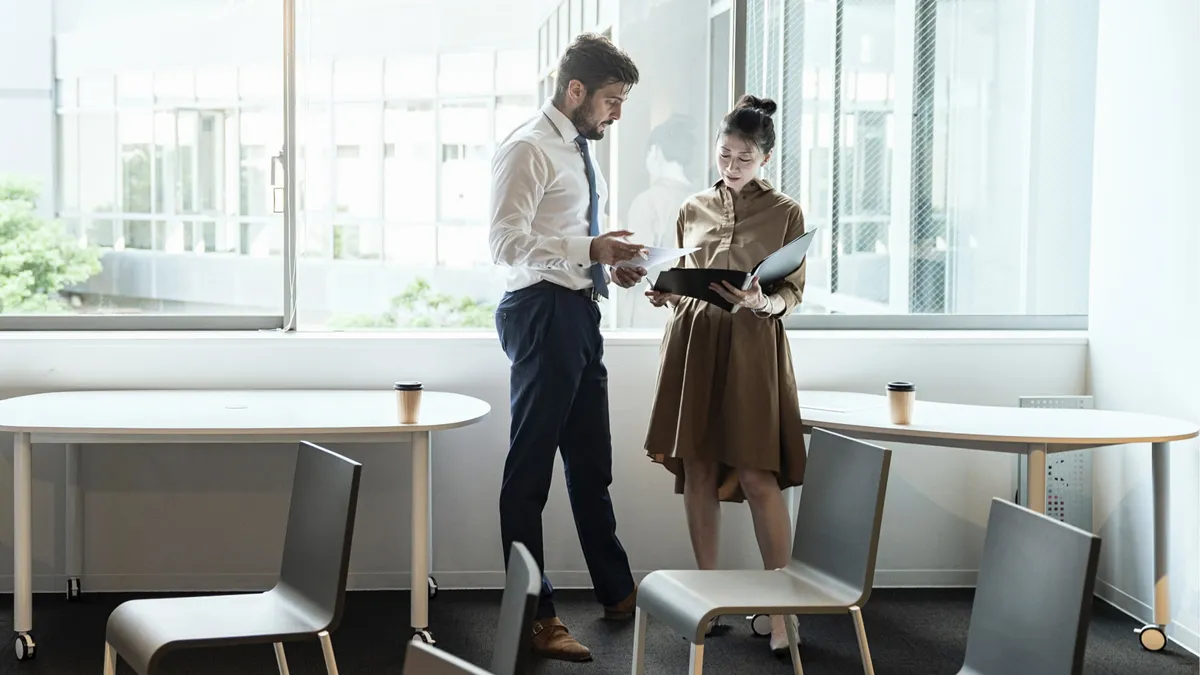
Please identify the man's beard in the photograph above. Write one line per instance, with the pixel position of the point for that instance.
(588, 128)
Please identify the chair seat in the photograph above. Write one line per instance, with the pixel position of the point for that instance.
(140, 629)
(687, 599)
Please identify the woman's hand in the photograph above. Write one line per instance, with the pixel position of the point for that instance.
(659, 299)
(751, 298)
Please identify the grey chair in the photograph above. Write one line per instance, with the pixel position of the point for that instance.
(423, 659)
(1033, 598)
(832, 567)
(511, 651)
(307, 601)
(514, 634)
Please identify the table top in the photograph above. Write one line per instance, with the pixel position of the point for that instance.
(849, 411)
(239, 412)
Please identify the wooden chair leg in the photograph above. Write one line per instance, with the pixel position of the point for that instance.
(281, 659)
(696, 660)
(793, 633)
(639, 641)
(327, 650)
(863, 648)
(110, 660)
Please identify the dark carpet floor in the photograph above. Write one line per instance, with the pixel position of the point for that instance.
(922, 632)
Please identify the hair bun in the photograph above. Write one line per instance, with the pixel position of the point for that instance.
(764, 104)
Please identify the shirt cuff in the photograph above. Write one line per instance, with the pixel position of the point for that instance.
(579, 251)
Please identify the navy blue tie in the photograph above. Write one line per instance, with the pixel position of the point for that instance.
(597, 272)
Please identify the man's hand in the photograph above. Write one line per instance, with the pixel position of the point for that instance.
(608, 249)
(659, 299)
(627, 277)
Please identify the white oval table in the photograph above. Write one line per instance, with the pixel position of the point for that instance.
(1034, 432)
(209, 416)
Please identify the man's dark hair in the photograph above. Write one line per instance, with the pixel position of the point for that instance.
(596, 62)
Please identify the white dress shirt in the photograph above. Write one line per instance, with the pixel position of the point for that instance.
(540, 201)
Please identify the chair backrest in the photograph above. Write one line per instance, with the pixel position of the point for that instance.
(320, 528)
(523, 584)
(423, 659)
(841, 509)
(1033, 597)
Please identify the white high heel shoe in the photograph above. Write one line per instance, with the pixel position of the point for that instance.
(781, 648)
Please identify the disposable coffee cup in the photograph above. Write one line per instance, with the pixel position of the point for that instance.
(902, 396)
(408, 401)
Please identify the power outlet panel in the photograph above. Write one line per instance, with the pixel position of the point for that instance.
(1068, 474)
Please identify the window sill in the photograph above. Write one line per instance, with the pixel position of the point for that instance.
(612, 338)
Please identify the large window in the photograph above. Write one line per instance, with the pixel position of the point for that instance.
(908, 132)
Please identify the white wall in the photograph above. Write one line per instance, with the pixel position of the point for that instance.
(212, 517)
(1145, 289)
(27, 95)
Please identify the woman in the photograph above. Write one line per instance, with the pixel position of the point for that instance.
(726, 418)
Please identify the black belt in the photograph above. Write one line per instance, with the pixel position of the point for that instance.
(589, 293)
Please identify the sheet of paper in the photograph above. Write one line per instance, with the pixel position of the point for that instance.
(654, 256)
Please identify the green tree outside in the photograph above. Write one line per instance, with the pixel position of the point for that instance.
(419, 306)
(38, 258)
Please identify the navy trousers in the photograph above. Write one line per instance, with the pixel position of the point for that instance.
(559, 403)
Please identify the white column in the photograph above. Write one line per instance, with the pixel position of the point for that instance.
(1062, 112)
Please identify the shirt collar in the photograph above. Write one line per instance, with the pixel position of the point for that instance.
(759, 183)
(561, 123)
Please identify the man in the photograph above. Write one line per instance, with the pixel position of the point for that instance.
(547, 197)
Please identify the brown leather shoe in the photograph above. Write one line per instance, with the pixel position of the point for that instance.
(552, 640)
(623, 610)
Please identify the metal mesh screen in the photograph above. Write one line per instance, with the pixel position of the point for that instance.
(844, 66)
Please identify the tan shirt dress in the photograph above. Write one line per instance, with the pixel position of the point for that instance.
(726, 390)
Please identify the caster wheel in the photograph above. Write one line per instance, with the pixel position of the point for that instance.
(73, 589)
(25, 648)
(1153, 638)
(423, 636)
(433, 588)
(760, 624)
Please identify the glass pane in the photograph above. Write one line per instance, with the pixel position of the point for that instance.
(411, 76)
(135, 87)
(465, 73)
(68, 169)
(465, 161)
(96, 91)
(356, 137)
(163, 169)
(167, 164)
(136, 136)
(516, 71)
(410, 186)
(218, 84)
(355, 79)
(68, 92)
(512, 112)
(260, 140)
(98, 161)
(175, 85)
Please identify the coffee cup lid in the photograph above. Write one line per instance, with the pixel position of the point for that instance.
(901, 386)
(407, 385)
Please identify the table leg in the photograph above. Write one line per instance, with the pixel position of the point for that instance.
(23, 543)
(1154, 636)
(421, 536)
(74, 518)
(1035, 478)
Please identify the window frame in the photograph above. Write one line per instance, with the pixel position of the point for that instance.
(548, 32)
